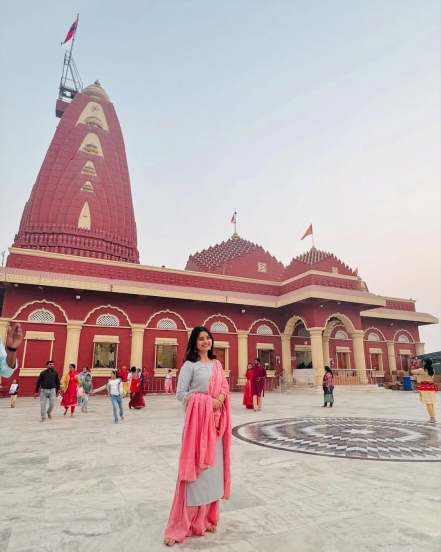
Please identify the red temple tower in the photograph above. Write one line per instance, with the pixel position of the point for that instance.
(81, 202)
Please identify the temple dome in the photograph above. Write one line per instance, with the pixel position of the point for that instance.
(236, 257)
(97, 91)
(318, 259)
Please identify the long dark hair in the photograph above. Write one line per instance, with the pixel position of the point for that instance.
(191, 353)
(428, 367)
(327, 369)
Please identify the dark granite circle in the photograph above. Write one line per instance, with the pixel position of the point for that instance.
(361, 438)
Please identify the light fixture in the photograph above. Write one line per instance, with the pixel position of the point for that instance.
(243, 311)
(77, 297)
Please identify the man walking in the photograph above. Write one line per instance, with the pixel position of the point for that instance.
(48, 385)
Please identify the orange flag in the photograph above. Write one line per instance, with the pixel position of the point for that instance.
(308, 232)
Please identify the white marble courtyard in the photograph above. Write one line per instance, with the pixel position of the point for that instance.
(87, 484)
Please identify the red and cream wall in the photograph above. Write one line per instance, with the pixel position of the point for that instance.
(65, 326)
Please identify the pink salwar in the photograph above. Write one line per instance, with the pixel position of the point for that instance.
(202, 429)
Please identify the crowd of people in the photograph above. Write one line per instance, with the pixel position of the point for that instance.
(203, 476)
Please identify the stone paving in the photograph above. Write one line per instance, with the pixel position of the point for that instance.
(86, 484)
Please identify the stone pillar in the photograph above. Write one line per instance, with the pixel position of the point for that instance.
(4, 323)
(359, 357)
(137, 345)
(419, 348)
(326, 355)
(242, 354)
(72, 343)
(392, 359)
(286, 358)
(317, 354)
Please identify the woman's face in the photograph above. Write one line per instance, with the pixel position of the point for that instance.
(204, 342)
(249, 366)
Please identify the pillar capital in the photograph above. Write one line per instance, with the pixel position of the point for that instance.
(74, 324)
(137, 328)
(357, 334)
(419, 348)
(315, 331)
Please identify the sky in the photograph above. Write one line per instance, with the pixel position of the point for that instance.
(290, 112)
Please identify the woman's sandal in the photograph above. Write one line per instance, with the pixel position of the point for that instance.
(211, 529)
(169, 542)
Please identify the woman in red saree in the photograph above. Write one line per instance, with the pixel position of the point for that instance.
(69, 385)
(136, 391)
(247, 400)
(204, 462)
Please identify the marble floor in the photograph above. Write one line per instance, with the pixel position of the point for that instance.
(87, 484)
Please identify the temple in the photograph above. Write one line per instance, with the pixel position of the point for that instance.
(74, 281)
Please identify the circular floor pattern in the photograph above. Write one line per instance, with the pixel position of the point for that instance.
(362, 438)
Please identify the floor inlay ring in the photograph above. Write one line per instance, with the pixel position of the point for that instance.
(361, 438)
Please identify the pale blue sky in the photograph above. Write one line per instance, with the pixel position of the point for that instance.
(290, 111)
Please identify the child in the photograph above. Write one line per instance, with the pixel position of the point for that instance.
(168, 383)
(115, 392)
(13, 392)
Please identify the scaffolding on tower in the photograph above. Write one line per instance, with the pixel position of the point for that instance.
(70, 82)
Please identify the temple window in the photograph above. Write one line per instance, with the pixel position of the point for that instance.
(105, 355)
(166, 324)
(264, 329)
(93, 114)
(91, 144)
(43, 316)
(219, 327)
(403, 338)
(89, 169)
(87, 187)
(107, 320)
(166, 356)
(84, 220)
(340, 334)
(372, 336)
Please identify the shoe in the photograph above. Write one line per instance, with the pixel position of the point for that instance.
(432, 421)
(331, 405)
(116, 421)
(325, 405)
(49, 416)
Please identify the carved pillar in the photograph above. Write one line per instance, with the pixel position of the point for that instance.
(326, 355)
(359, 358)
(392, 359)
(286, 358)
(242, 353)
(137, 345)
(317, 354)
(72, 343)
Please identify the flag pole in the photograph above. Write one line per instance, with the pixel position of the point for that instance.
(73, 38)
(235, 221)
(312, 236)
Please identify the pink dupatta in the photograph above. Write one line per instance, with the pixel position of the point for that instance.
(202, 429)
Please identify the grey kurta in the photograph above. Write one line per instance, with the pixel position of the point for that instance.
(209, 486)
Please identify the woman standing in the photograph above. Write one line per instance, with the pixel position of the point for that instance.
(168, 382)
(69, 385)
(328, 387)
(204, 462)
(136, 396)
(426, 387)
(258, 384)
(247, 390)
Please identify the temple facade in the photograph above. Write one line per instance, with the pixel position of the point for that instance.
(74, 281)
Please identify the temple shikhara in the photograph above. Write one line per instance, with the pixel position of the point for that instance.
(74, 281)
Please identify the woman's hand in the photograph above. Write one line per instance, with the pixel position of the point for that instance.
(217, 403)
